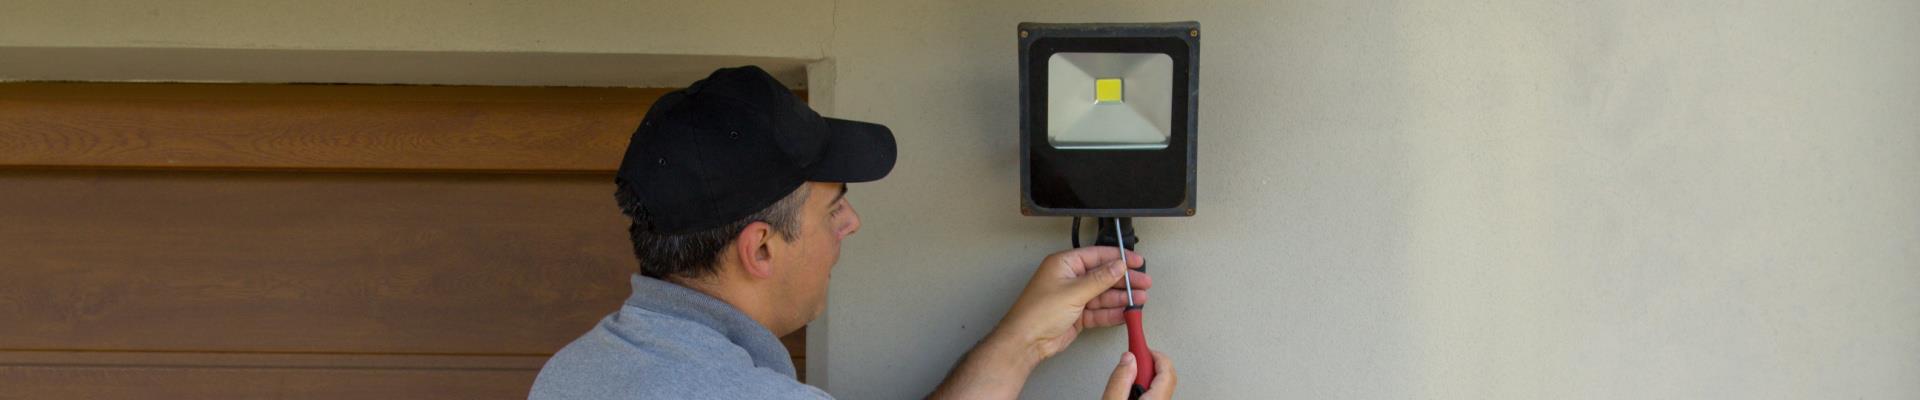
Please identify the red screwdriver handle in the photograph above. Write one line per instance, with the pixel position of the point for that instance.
(1137, 343)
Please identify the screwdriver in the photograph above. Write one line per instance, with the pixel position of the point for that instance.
(1136, 330)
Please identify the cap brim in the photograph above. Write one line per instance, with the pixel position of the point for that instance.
(856, 152)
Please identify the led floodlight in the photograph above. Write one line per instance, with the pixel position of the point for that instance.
(1107, 114)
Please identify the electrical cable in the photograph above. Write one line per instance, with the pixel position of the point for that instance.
(1076, 232)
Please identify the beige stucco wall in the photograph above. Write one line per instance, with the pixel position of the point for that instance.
(1431, 199)
(792, 29)
(490, 42)
(1414, 199)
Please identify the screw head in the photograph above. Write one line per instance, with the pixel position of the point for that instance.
(1193, 32)
(1023, 34)
(1189, 212)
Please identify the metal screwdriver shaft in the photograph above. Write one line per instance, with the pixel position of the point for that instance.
(1122, 239)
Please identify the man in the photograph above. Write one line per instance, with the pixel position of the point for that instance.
(737, 191)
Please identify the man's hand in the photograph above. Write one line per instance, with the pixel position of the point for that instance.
(1071, 290)
(1121, 383)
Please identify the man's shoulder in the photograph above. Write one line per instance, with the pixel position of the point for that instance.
(689, 383)
(636, 354)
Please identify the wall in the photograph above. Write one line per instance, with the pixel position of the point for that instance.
(1430, 200)
(791, 30)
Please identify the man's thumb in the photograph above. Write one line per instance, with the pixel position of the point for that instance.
(1120, 384)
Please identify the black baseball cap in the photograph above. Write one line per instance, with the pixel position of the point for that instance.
(736, 142)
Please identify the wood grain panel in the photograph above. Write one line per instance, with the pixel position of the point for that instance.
(149, 359)
(305, 241)
(283, 262)
(261, 383)
(146, 375)
(342, 127)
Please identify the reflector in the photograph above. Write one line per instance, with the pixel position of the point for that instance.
(1079, 119)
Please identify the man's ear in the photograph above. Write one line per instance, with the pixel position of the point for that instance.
(754, 249)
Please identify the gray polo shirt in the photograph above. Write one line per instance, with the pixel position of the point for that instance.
(671, 342)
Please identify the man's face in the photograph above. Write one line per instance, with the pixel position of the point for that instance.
(825, 220)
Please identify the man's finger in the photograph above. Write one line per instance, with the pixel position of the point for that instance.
(1118, 298)
(1120, 384)
(1095, 281)
(1090, 257)
(1141, 281)
(1164, 379)
(1104, 317)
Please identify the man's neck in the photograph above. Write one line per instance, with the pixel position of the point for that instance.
(750, 301)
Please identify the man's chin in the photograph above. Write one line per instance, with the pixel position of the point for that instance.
(817, 312)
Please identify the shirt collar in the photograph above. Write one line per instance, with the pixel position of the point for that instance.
(691, 305)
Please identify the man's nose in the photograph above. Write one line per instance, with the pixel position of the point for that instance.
(853, 222)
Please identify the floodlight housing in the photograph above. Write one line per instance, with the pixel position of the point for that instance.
(1107, 118)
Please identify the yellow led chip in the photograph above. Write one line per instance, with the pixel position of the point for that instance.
(1106, 90)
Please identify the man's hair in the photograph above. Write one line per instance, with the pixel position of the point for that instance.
(697, 255)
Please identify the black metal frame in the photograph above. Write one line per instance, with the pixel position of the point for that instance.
(1111, 183)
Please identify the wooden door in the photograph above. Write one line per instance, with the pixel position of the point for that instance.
(305, 241)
